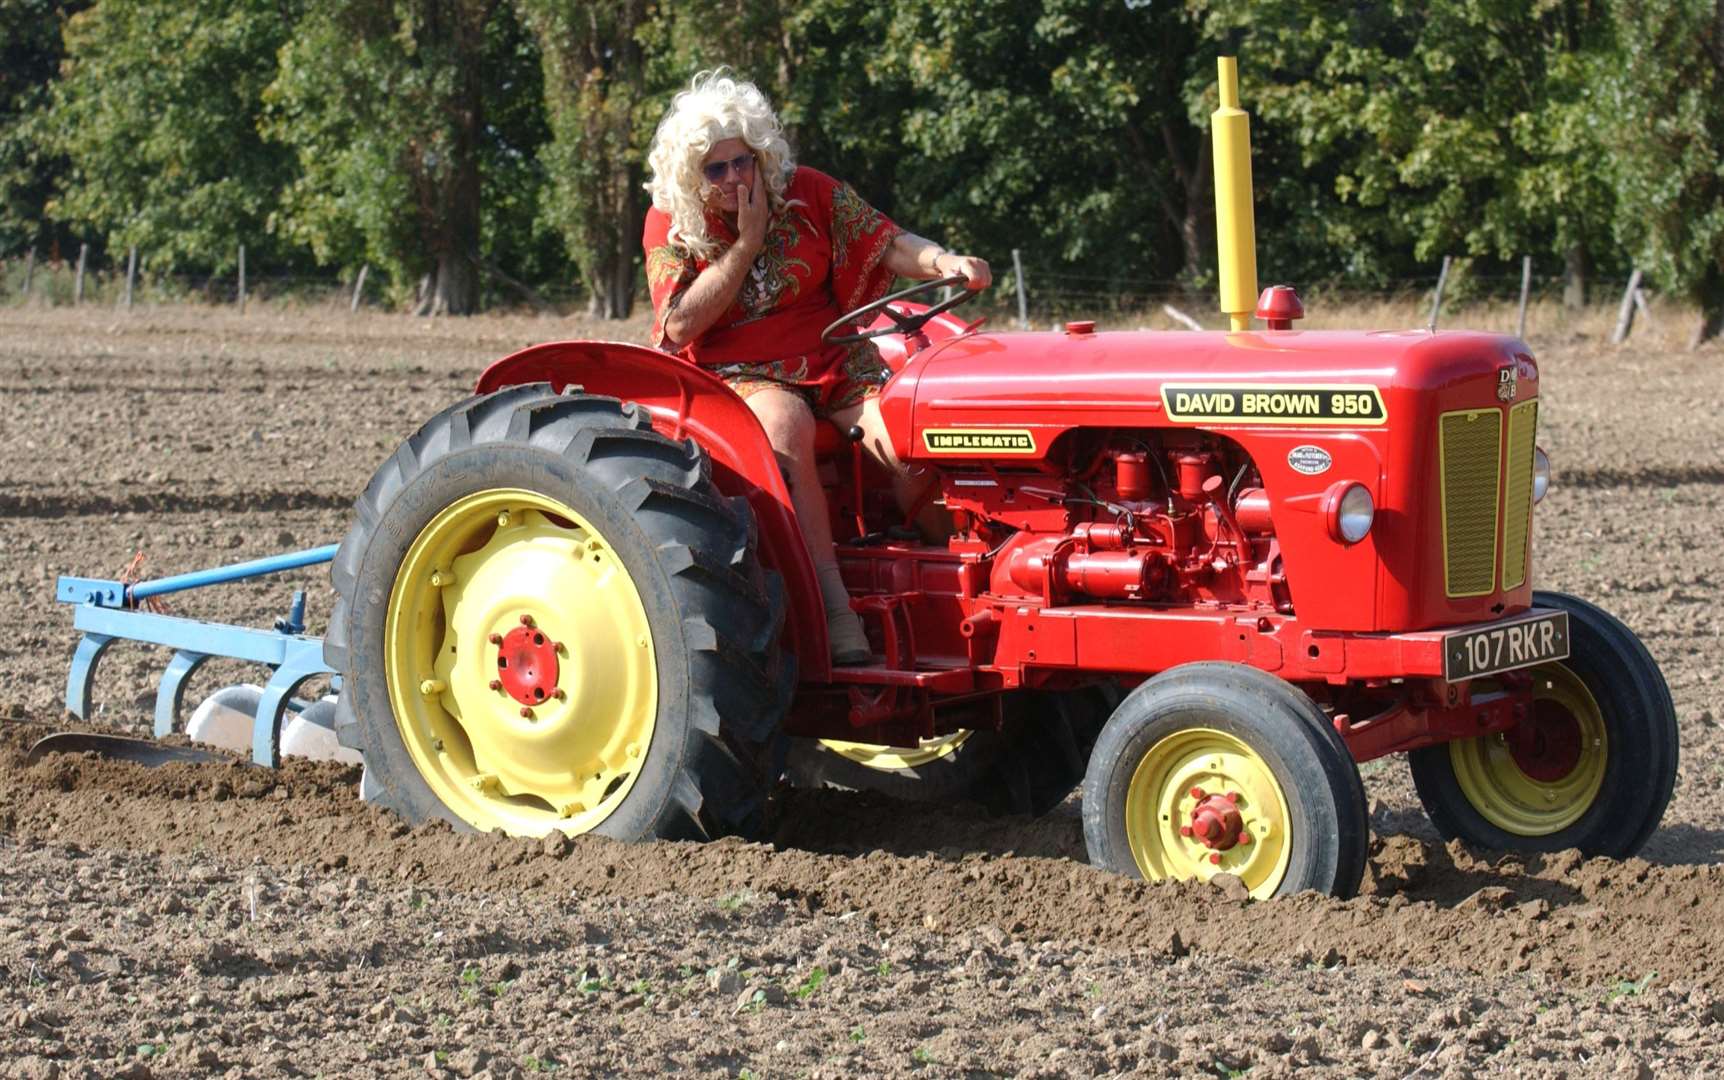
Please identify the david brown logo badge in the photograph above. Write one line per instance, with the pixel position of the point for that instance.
(1506, 376)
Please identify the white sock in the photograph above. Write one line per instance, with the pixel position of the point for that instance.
(832, 589)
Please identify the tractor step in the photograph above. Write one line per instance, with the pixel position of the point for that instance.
(940, 680)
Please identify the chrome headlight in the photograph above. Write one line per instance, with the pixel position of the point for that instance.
(1540, 474)
(1350, 511)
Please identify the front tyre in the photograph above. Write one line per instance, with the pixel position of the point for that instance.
(548, 618)
(1591, 767)
(1217, 768)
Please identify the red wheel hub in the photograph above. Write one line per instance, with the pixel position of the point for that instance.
(1547, 745)
(527, 663)
(1215, 820)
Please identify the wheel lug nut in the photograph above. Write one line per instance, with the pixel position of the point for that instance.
(1197, 793)
(1215, 859)
(559, 694)
(526, 712)
(1244, 838)
(1233, 796)
(496, 684)
(526, 620)
(1185, 830)
(495, 639)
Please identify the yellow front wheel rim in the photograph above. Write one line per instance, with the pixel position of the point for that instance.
(892, 758)
(513, 573)
(1544, 775)
(1191, 780)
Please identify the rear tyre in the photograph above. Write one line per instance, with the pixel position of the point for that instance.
(548, 618)
(1213, 768)
(1029, 767)
(1592, 767)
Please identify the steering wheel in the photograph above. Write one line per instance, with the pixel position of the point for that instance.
(902, 322)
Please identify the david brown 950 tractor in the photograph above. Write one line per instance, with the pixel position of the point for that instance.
(579, 599)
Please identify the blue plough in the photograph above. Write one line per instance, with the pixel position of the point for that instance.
(107, 611)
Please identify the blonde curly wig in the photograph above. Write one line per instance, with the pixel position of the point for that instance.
(716, 106)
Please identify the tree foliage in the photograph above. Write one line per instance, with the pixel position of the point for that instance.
(382, 102)
(1666, 101)
(30, 167)
(594, 80)
(167, 156)
(451, 143)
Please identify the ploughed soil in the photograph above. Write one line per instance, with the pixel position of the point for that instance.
(218, 918)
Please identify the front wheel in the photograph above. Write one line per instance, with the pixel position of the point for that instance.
(1591, 767)
(1216, 768)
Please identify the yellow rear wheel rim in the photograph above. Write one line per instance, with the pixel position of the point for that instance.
(892, 758)
(1495, 783)
(487, 564)
(1160, 801)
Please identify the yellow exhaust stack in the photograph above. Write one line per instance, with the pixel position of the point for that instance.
(1235, 231)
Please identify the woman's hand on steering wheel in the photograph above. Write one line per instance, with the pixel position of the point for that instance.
(974, 270)
(902, 322)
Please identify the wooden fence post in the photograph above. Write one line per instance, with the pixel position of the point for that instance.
(242, 279)
(359, 287)
(131, 273)
(1437, 300)
(78, 288)
(1525, 285)
(1625, 314)
(29, 271)
(1023, 306)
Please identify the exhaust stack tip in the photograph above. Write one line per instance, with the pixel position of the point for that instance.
(1236, 237)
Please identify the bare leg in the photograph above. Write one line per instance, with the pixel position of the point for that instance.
(790, 428)
(908, 489)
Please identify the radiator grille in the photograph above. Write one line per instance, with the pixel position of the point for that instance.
(1517, 492)
(1468, 450)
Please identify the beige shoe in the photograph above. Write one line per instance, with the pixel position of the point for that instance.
(848, 640)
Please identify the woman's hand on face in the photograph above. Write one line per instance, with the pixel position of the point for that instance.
(975, 270)
(752, 212)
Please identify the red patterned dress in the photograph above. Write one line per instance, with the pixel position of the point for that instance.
(822, 257)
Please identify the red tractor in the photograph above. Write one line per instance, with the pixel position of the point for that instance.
(579, 600)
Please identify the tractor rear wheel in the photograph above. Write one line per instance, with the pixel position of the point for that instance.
(1028, 767)
(1592, 767)
(1217, 768)
(549, 619)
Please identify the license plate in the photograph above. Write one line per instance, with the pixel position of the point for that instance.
(1468, 654)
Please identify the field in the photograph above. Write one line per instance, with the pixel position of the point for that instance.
(200, 919)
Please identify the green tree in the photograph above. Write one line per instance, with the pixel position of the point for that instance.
(594, 93)
(30, 56)
(1055, 127)
(167, 156)
(1666, 101)
(1393, 134)
(383, 102)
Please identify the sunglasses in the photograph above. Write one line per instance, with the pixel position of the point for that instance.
(742, 165)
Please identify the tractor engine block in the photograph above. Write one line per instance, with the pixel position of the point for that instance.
(1140, 519)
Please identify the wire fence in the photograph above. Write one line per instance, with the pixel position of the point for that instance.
(1052, 292)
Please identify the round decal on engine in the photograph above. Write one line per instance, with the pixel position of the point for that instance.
(1308, 459)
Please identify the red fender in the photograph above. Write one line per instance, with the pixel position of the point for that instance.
(685, 402)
